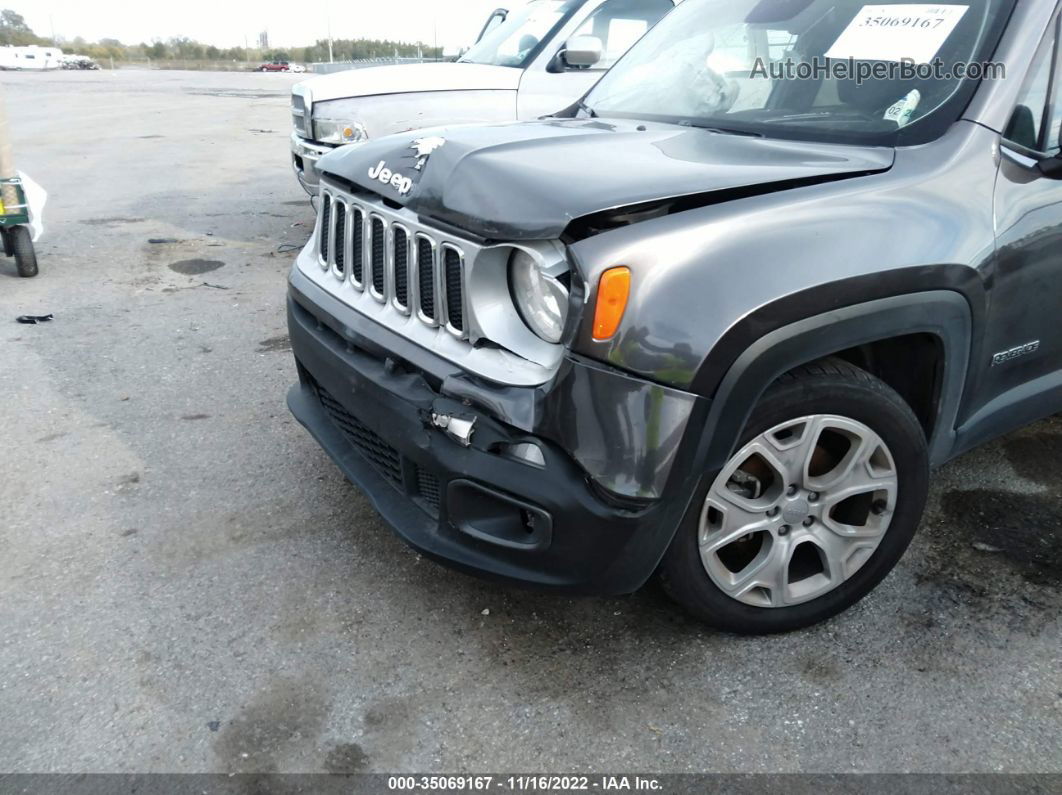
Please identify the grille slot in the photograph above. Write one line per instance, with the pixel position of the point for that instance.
(401, 260)
(357, 243)
(378, 258)
(326, 226)
(455, 311)
(426, 277)
(339, 210)
(384, 458)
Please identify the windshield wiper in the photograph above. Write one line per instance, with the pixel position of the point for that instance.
(719, 130)
(586, 109)
(822, 116)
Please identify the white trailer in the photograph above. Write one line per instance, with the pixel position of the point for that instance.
(31, 57)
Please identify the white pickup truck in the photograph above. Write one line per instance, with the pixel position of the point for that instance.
(540, 59)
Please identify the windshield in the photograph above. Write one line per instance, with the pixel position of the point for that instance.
(831, 70)
(516, 41)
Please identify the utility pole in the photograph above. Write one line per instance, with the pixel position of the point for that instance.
(328, 16)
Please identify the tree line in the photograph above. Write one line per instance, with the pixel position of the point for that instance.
(15, 31)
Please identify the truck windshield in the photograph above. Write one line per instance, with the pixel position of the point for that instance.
(516, 41)
(828, 70)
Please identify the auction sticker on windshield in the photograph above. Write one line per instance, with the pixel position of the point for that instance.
(898, 32)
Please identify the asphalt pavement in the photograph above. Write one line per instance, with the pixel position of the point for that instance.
(188, 584)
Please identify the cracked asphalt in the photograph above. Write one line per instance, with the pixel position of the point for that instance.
(187, 583)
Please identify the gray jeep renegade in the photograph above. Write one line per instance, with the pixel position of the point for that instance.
(716, 321)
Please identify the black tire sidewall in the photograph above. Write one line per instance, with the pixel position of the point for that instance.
(877, 407)
(22, 246)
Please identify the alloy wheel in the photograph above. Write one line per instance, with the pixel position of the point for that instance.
(798, 511)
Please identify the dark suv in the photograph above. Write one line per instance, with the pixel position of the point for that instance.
(717, 321)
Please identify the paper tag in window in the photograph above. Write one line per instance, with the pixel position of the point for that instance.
(898, 32)
(903, 110)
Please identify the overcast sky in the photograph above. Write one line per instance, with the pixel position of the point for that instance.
(228, 23)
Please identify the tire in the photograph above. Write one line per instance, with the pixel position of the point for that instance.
(25, 258)
(822, 424)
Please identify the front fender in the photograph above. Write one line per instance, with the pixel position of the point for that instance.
(709, 281)
(946, 315)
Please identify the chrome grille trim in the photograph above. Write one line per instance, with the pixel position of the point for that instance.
(369, 256)
(398, 248)
(452, 320)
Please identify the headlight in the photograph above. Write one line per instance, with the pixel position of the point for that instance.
(540, 298)
(328, 131)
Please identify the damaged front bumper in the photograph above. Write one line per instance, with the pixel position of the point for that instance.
(570, 485)
(304, 157)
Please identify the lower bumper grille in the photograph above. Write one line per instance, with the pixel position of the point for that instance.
(383, 457)
(386, 460)
(428, 488)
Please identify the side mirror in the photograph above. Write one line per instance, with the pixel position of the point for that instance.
(1051, 167)
(582, 51)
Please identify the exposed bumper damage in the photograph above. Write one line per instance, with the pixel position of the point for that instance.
(446, 461)
(304, 157)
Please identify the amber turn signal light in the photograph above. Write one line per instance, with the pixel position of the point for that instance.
(612, 293)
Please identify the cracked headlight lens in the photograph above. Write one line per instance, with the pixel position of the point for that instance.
(329, 131)
(541, 299)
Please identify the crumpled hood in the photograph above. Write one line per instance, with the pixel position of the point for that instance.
(527, 181)
(408, 78)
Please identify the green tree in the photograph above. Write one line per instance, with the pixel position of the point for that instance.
(15, 31)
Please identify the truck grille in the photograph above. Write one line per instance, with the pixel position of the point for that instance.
(404, 271)
(298, 114)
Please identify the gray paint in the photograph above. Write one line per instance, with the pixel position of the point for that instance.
(779, 232)
(529, 181)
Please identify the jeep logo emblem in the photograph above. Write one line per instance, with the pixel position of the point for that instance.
(388, 177)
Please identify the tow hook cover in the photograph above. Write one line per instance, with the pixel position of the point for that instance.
(459, 429)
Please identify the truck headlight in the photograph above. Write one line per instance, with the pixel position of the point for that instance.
(329, 131)
(541, 299)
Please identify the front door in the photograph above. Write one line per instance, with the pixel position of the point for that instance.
(1024, 334)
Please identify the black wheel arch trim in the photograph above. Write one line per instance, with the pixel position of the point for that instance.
(945, 314)
(841, 295)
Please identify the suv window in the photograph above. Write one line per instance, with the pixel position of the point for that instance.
(620, 23)
(1036, 122)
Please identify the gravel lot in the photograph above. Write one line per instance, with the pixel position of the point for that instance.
(188, 584)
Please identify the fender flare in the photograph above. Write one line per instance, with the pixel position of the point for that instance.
(944, 314)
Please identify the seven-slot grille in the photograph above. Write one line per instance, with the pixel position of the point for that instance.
(374, 253)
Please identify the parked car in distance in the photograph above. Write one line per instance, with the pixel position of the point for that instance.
(539, 59)
(717, 323)
(297, 68)
(275, 66)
